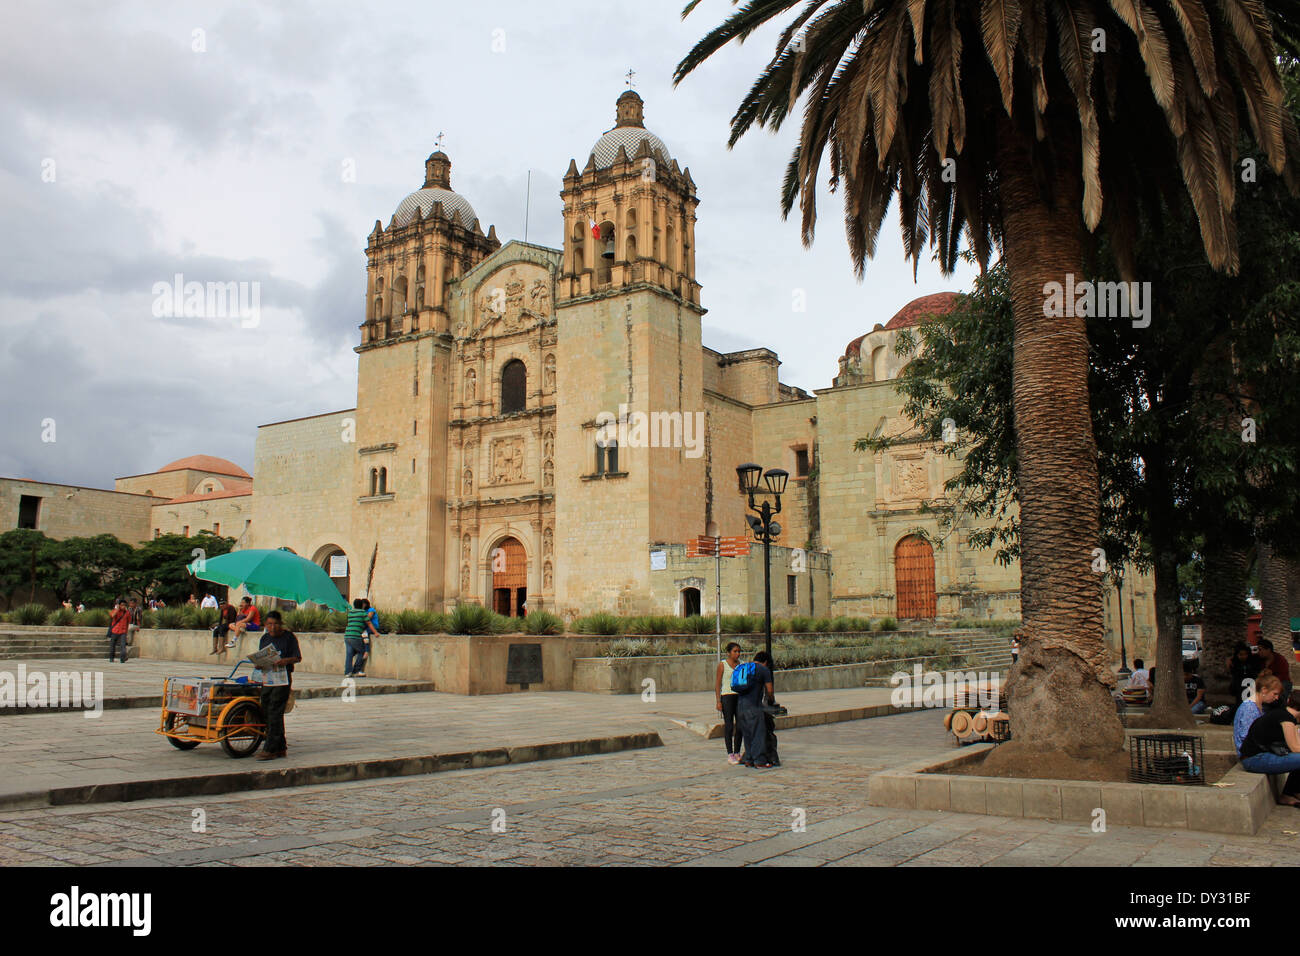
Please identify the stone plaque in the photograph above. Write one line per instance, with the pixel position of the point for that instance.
(524, 665)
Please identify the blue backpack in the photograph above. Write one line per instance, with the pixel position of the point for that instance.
(743, 676)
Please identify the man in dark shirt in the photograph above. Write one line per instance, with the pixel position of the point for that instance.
(274, 698)
(1275, 662)
(1195, 687)
(750, 716)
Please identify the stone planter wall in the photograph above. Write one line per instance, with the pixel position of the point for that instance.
(696, 672)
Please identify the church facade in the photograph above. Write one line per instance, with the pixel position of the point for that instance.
(542, 428)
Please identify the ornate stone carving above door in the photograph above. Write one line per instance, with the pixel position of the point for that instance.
(507, 460)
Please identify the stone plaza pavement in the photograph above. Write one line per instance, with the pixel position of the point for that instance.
(41, 752)
(679, 804)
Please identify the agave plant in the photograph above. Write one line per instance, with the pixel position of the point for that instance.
(543, 622)
(600, 624)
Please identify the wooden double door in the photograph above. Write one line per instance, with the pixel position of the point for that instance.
(914, 578)
(510, 579)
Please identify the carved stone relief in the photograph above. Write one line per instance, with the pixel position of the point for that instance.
(507, 460)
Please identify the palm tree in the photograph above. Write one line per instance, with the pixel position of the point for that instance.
(1006, 123)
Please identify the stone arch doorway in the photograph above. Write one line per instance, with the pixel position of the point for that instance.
(690, 602)
(914, 578)
(325, 558)
(509, 578)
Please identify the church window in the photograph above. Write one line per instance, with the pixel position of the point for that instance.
(185, 530)
(801, 463)
(514, 384)
(29, 507)
(374, 481)
(383, 481)
(607, 457)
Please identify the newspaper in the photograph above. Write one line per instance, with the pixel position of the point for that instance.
(264, 661)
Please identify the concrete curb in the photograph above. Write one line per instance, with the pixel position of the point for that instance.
(211, 784)
(299, 694)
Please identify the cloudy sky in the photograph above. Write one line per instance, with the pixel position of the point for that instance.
(247, 142)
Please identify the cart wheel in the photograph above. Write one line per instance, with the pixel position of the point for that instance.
(172, 721)
(247, 728)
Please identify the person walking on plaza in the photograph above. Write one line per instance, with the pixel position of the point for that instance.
(1272, 745)
(726, 702)
(357, 638)
(753, 683)
(250, 619)
(117, 628)
(274, 698)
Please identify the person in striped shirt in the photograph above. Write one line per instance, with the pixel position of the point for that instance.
(357, 639)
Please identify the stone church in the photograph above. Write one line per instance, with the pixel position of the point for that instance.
(543, 428)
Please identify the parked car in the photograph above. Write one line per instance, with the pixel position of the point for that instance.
(1191, 648)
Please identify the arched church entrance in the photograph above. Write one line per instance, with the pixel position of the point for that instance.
(509, 578)
(914, 578)
(335, 562)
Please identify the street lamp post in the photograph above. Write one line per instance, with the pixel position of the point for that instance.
(764, 527)
(1119, 600)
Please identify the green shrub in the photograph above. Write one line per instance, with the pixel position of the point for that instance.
(29, 614)
(697, 624)
(739, 624)
(600, 624)
(413, 622)
(543, 622)
(62, 617)
(800, 624)
(336, 622)
(629, 647)
(822, 625)
(198, 618)
(780, 625)
(95, 617)
(650, 624)
(888, 624)
(169, 618)
(471, 619)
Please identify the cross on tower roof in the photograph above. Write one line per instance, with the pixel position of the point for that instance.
(630, 74)
(438, 142)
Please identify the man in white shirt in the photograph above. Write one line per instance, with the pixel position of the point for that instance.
(209, 601)
(1140, 677)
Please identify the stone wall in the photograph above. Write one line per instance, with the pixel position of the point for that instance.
(69, 511)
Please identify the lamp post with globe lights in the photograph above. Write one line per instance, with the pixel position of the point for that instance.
(763, 525)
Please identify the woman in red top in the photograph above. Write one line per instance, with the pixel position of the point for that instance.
(117, 626)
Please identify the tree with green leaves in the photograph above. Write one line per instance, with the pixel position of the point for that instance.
(1029, 126)
(23, 568)
(93, 570)
(161, 570)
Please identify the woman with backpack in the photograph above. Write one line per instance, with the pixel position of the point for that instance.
(753, 684)
(726, 702)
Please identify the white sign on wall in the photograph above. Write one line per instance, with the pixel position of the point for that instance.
(658, 560)
(338, 565)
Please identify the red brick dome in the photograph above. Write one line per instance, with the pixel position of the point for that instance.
(937, 303)
(209, 463)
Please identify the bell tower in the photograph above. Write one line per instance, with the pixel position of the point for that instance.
(628, 352)
(629, 214)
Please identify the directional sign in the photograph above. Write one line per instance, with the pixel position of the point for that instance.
(704, 547)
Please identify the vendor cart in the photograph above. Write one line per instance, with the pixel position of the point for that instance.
(223, 710)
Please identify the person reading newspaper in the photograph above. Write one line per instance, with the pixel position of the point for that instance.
(277, 681)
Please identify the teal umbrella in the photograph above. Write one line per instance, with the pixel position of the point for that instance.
(278, 573)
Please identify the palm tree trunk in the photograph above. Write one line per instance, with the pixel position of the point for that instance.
(1059, 692)
(1224, 596)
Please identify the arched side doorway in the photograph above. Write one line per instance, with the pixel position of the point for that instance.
(914, 578)
(335, 562)
(509, 578)
(690, 602)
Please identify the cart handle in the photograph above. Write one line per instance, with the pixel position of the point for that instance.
(237, 666)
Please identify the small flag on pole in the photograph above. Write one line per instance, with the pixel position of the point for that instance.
(595, 230)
